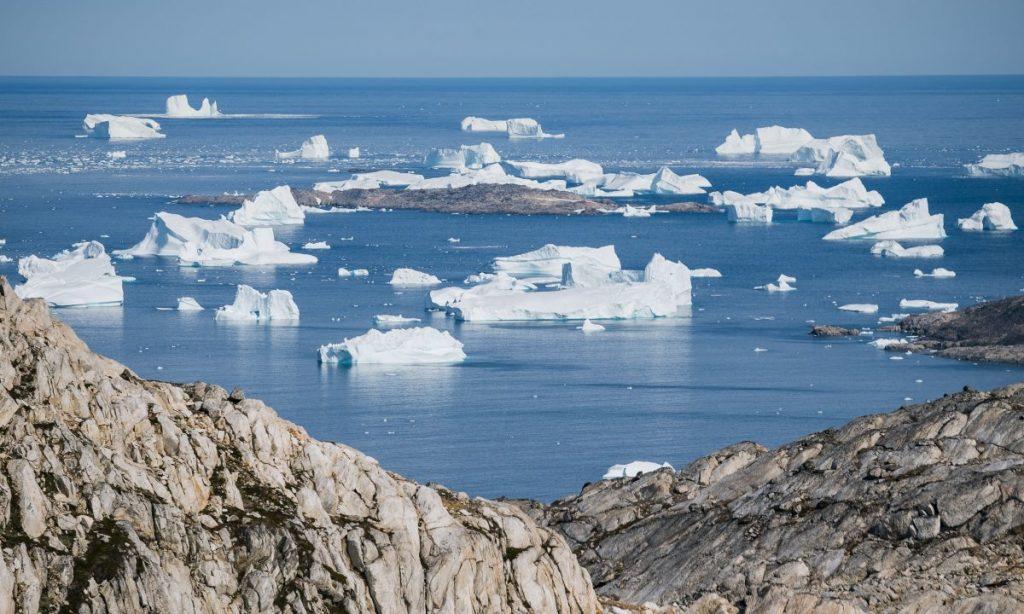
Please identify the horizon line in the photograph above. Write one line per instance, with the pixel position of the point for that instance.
(510, 77)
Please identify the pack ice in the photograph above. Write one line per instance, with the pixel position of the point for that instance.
(912, 221)
(403, 346)
(991, 216)
(998, 165)
(519, 128)
(251, 305)
(121, 127)
(82, 276)
(178, 107)
(313, 148)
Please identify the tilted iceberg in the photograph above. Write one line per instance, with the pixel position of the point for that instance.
(251, 305)
(633, 469)
(769, 141)
(466, 156)
(844, 156)
(589, 327)
(548, 261)
(519, 128)
(80, 277)
(269, 208)
(892, 249)
(412, 277)
(201, 242)
(912, 221)
(998, 165)
(991, 216)
(313, 148)
(121, 127)
(403, 346)
(187, 303)
(575, 171)
(178, 107)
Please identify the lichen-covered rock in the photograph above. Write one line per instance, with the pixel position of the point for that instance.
(119, 494)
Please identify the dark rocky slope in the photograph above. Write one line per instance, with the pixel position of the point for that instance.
(991, 332)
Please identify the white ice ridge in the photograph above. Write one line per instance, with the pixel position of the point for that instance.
(466, 156)
(844, 156)
(937, 273)
(928, 305)
(82, 276)
(187, 303)
(991, 216)
(912, 221)
(493, 174)
(412, 277)
(392, 320)
(370, 181)
(313, 148)
(887, 343)
(199, 242)
(664, 181)
(782, 284)
(589, 327)
(769, 141)
(695, 273)
(573, 171)
(316, 245)
(860, 307)
(633, 469)
(520, 128)
(402, 346)
(850, 194)
(251, 305)
(892, 249)
(120, 127)
(178, 107)
(275, 207)
(998, 165)
(547, 262)
(486, 284)
(748, 213)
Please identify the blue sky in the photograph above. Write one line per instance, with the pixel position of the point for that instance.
(462, 38)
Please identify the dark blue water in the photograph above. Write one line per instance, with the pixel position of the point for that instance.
(538, 409)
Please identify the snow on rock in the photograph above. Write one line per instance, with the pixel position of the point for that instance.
(269, 208)
(892, 249)
(519, 128)
(391, 320)
(313, 148)
(412, 277)
(844, 156)
(633, 469)
(991, 216)
(251, 305)
(782, 284)
(178, 107)
(82, 276)
(353, 153)
(998, 165)
(199, 242)
(316, 245)
(121, 127)
(343, 272)
(740, 212)
(589, 327)
(912, 221)
(927, 305)
(466, 156)
(736, 145)
(574, 171)
(548, 261)
(860, 308)
(403, 346)
(937, 273)
(187, 303)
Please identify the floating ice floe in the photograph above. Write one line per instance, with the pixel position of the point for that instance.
(768, 141)
(466, 156)
(938, 273)
(412, 277)
(850, 194)
(269, 208)
(575, 171)
(705, 273)
(912, 221)
(316, 245)
(927, 305)
(121, 127)
(844, 156)
(179, 108)
(313, 148)
(117, 155)
(633, 469)
(589, 327)
(631, 211)
(199, 242)
(782, 284)
(887, 343)
(187, 303)
(343, 272)
(892, 249)
(353, 153)
(82, 276)
(860, 308)
(520, 128)
(803, 171)
(991, 216)
(748, 213)
(251, 305)
(391, 320)
(547, 262)
(825, 215)
(403, 346)
(998, 165)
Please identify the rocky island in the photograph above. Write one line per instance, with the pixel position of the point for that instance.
(991, 332)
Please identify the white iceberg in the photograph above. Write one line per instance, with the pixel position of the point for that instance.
(199, 242)
(178, 107)
(631, 211)
(251, 305)
(589, 327)
(748, 213)
(782, 284)
(269, 208)
(117, 155)
(825, 215)
(892, 249)
(887, 343)
(488, 284)
(353, 153)
(844, 156)
(80, 277)
(913, 221)
(121, 127)
(548, 261)
(633, 469)
(664, 181)
(343, 272)
(991, 216)
(492, 174)
(927, 305)
(937, 273)
(187, 303)
(705, 273)
(519, 128)
(736, 145)
(313, 148)
(316, 245)
(850, 194)
(466, 156)
(391, 320)
(860, 307)
(998, 165)
(412, 277)
(574, 171)
(403, 346)
(370, 181)
(803, 171)
(780, 141)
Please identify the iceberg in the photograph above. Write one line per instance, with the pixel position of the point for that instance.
(887, 343)
(860, 308)
(269, 208)
(892, 249)
(121, 127)
(370, 181)
(187, 303)
(589, 327)
(412, 277)
(313, 148)
(251, 305)
(548, 261)
(178, 107)
(466, 156)
(390, 320)
(492, 174)
(633, 469)
(664, 181)
(998, 165)
(825, 215)
(850, 194)
(913, 221)
(803, 171)
(479, 124)
(574, 171)
(520, 128)
(991, 216)
(343, 272)
(80, 277)
(736, 145)
(353, 153)
(117, 155)
(749, 213)
(779, 141)
(844, 156)
(631, 211)
(403, 346)
(694, 273)
(782, 284)
(498, 283)
(316, 245)
(200, 242)
(937, 273)
(927, 305)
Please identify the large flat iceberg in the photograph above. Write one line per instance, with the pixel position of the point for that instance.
(251, 305)
(313, 148)
(998, 165)
(412, 277)
(548, 261)
(466, 156)
(768, 141)
(892, 249)
(80, 277)
(121, 127)
(912, 221)
(403, 346)
(991, 216)
(179, 107)
(269, 208)
(575, 171)
(518, 128)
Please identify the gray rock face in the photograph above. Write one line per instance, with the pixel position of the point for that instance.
(921, 509)
(990, 332)
(831, 330)
(119, 494)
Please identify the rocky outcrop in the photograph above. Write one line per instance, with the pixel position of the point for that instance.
(119, 494)
(918, 510)
(831, 330)
(990, 332)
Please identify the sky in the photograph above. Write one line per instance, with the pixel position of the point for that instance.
(517, 38)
